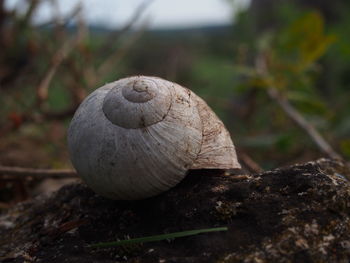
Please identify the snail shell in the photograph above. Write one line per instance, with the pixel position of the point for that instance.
(137, 137)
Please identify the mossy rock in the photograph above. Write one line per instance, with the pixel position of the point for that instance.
(294, 214)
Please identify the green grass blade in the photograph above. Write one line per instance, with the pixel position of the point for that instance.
(158, 237)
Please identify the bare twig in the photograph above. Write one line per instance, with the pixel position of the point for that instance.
(302, 122)
(82, 27)
(20, 171)
(249, 163)
(293, 113)
(60, 115)
(30, 11)
(60, 55)
(42, 90)
(117, 34)
(61, 20)
(115, 57)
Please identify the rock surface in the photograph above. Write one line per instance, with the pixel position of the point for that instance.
(295, 214)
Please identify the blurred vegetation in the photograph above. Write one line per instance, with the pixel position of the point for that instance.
(46, 70)
(302, 45)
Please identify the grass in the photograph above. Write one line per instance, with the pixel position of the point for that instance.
(158, 237)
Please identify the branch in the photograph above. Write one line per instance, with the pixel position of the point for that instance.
(42, 90)
(116, 56)
(304, 124)
(61, 21)
(33, 4)
(117, 34)
(60, 115)
(294, 114)
(60, 55)
(249, 163)
(20, 171)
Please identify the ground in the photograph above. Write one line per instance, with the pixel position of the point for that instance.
(294, 214)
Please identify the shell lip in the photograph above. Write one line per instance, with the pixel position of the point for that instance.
(217, 149)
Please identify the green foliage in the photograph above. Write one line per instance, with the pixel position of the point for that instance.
(293, 54)
(304, 41)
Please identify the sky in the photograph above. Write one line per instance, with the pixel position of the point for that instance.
(159, 13)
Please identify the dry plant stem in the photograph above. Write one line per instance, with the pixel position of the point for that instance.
(249, 163)
(300, 120)
(297, 117)
(30, 11)
(57, 115)
(20, 171)
(116, 35)
(90, 73)
(60, 55)
(63, 21)
(115, 57)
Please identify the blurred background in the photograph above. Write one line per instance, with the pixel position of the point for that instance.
(276, 72)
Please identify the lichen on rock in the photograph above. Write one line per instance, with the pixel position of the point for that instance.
(295, 214)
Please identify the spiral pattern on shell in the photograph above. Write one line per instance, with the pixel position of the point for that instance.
(137, 102)
(137, 137)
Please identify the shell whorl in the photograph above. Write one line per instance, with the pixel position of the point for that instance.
(137, 102)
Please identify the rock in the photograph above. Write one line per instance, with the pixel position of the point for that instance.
(295, 214)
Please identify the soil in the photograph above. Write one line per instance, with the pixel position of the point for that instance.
(295, 214)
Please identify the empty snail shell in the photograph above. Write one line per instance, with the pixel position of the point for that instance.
(137, 137)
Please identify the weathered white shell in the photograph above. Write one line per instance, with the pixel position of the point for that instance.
(137, 137)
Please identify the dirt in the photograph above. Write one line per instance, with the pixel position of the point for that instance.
(295, 214)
